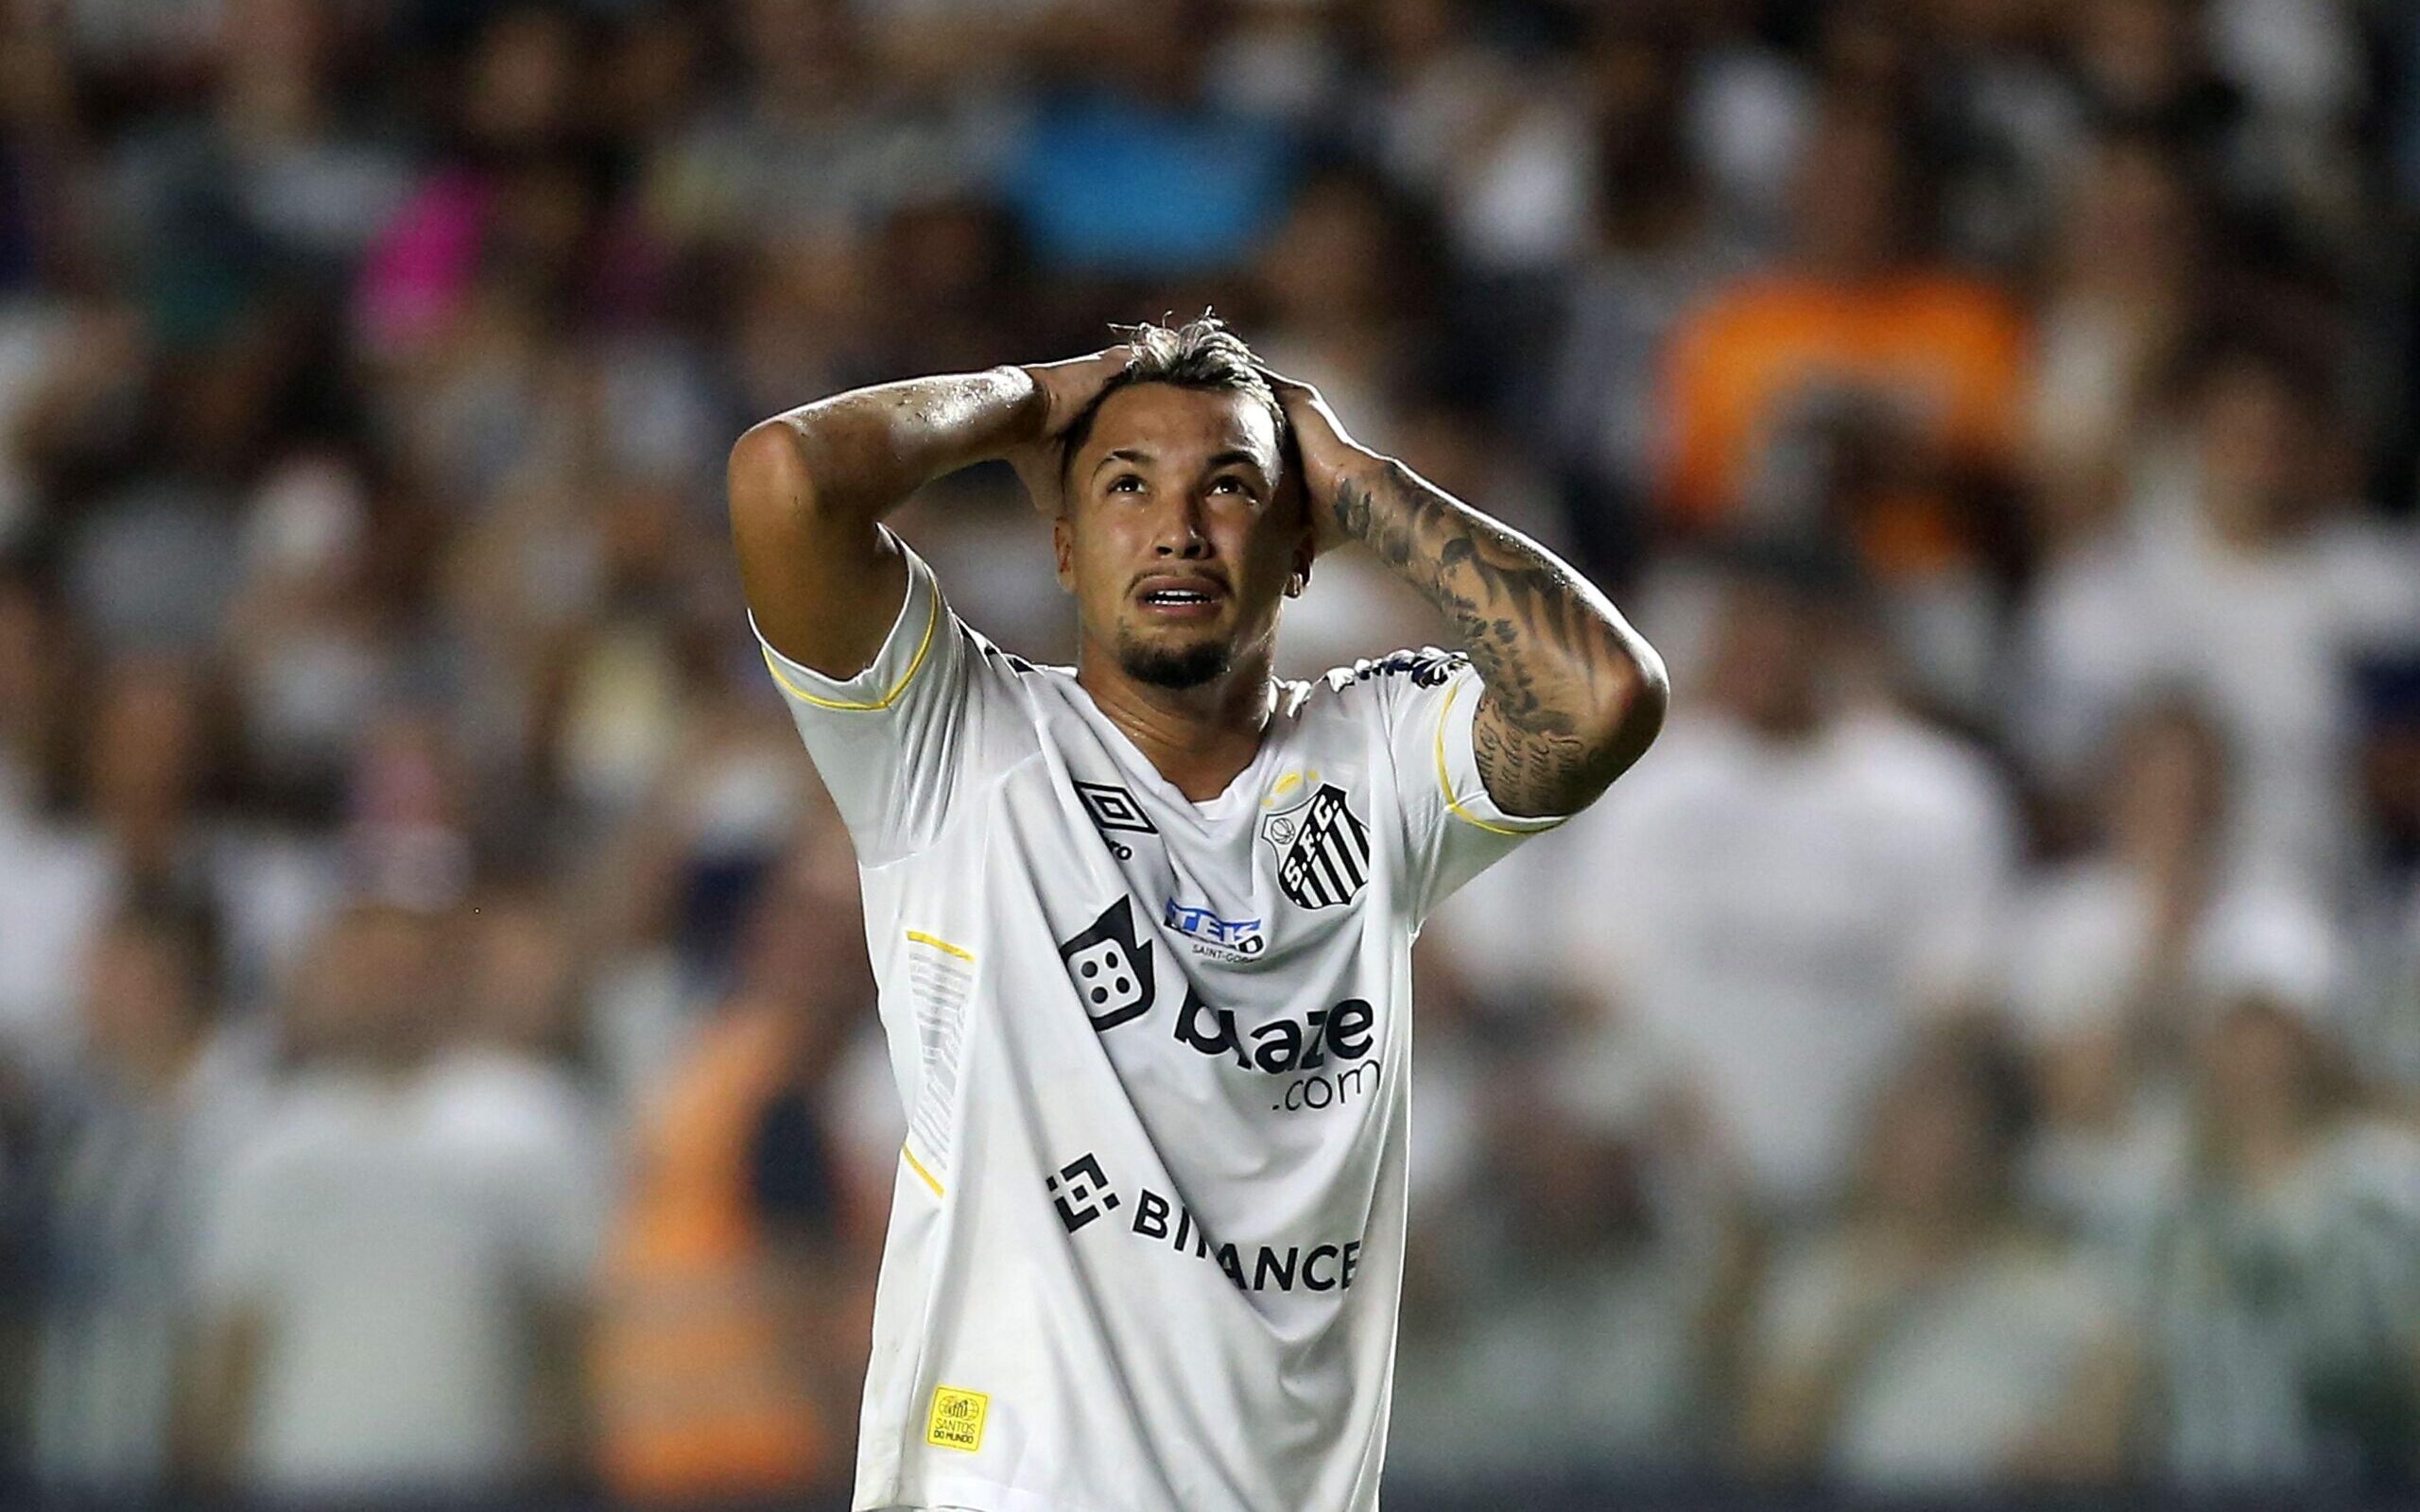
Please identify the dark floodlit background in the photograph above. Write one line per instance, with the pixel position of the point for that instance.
(1976, 1051)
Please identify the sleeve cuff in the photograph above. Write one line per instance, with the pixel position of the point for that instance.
(894, 667)
(1457, 769)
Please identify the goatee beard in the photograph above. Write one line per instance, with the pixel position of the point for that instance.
(1176, 668)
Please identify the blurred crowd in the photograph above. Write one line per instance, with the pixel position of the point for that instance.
(1978, 1047)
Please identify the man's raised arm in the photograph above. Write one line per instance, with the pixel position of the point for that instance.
(1574, 695)
(806, 488)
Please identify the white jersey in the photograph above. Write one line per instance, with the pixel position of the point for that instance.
(1145, 1242)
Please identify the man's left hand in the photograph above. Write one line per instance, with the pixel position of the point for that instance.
(1329, 455)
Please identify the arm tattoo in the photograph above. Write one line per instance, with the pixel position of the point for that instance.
(1573, 695)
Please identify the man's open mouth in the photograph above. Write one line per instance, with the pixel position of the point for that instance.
(1172, 594)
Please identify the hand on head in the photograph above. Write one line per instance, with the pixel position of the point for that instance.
(1064, 391)
(1324, 451)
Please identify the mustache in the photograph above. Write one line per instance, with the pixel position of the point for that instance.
(1208, 575)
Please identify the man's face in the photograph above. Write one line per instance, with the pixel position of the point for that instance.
(1767, 661)
(2256, 457)
(1182, 535)
(1846, 201)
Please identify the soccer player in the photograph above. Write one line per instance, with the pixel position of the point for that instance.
(1143, 929)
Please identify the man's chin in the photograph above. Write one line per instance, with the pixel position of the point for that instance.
(1176, 664)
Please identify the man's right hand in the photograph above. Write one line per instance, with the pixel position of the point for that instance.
(1063, 390)
(807, 488)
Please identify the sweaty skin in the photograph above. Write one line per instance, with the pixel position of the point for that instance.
(1188, 487)
(1574, 695)
(1178, 488)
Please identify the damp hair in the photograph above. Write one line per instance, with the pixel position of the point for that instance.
(1201, 354)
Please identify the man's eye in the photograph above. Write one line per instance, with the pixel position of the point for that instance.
(1126, 483)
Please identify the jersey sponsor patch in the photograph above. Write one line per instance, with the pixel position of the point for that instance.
(1233, 939)
(1322, 850)
(1161, 1220)
(1111, 968)
(1330, 1054)
(957, 1420)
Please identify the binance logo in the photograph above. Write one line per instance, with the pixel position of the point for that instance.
(1080, 1193)
(956, 1422)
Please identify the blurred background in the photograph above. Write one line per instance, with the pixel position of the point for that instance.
(1976, 1051)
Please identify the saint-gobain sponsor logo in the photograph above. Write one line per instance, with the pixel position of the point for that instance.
(1233, 936)
(1161, 1220)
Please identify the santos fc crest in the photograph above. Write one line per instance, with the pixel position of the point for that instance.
(1322, 850)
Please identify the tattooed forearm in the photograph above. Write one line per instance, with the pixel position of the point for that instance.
(1526, 774)
(1573, 693)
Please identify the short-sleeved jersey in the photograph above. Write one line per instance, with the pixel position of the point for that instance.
(1145, 1242)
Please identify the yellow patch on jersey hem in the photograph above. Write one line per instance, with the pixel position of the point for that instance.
(956, 1422)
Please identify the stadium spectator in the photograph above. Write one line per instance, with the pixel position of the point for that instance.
(733, 1301)
(1129, 167)
(391, 1278)
(1567, 1327)
(1768, 366)
(129, 1140)
(2096, 967)
(2279, 1284)
(1935, 1339)
(1657, 246)
(2250, 583)
(1779, 899)
(2123, 294)
(1465, 126)
(135, 835)
(1856, 388)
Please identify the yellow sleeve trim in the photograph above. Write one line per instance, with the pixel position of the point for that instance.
(917, 1167)
(887, 700)
(1447, 783)
(941, 945)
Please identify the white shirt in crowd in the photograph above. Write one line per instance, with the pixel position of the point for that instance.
(1964, 1369)
(2265, 639)
(391, 1236)
(1772, 918)
(1146, 1229)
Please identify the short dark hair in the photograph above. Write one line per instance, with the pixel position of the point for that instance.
(1201, 353)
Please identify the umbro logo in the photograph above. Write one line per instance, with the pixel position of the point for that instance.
(1322, 850)
(1113, 812)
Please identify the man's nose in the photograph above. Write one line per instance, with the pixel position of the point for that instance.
(1181, 534)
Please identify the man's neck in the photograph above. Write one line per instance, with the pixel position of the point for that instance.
(1199, 738)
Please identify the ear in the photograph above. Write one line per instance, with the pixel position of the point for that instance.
(1062, 551)
(1304, 550)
